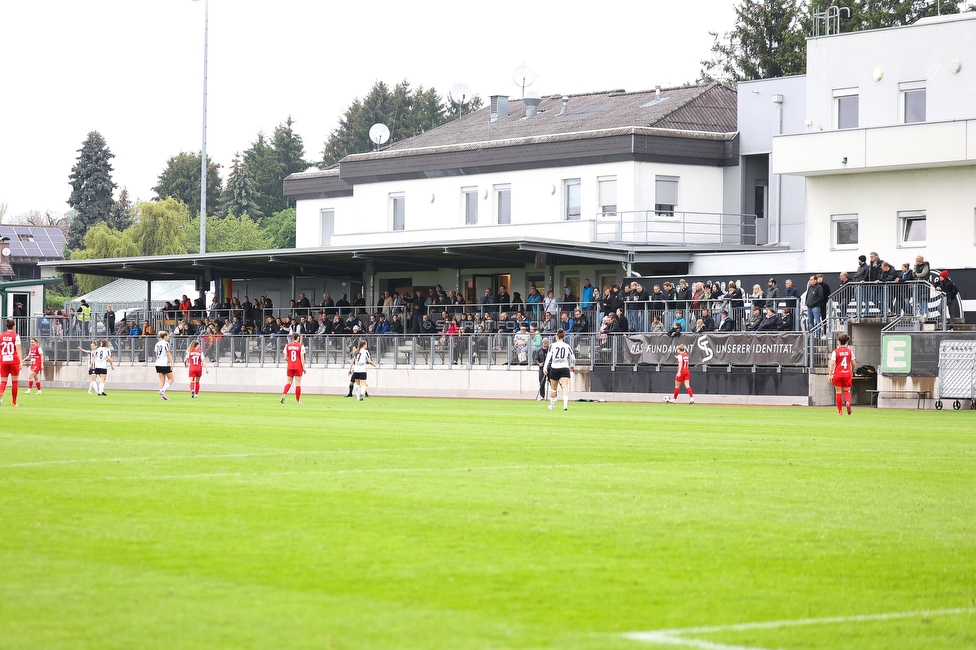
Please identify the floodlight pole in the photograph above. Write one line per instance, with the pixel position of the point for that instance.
(203, 152)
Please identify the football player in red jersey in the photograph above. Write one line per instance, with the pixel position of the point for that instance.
(683, 375)
(841, 371)
(197, 363)
(295, 356)
(35, 359)
(9, 359)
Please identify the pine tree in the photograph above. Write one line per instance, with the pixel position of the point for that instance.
(123, 213)
(240, 193)
(91, 188)
(271, 161)
(406, 112)
(767, 41)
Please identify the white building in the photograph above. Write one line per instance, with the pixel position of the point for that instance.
(888, 148)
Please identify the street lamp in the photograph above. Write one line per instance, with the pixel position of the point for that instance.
(203, 151)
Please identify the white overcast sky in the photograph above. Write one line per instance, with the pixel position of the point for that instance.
(133, 69)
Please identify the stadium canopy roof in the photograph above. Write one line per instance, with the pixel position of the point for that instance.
(354, 261)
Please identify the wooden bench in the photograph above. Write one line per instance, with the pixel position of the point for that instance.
(919, 395)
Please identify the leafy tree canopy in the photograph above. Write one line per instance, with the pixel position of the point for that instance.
(406, 112)
(102, 241)
(92, 188)
(280, 227)
(123, 213)
(181, 180)
(229, 234)
(270, 161)
(162, 227)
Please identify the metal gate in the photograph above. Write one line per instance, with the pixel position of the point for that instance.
(957, 373)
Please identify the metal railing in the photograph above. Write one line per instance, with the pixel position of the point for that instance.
(858, 301)
(487, 351)
(656, 227)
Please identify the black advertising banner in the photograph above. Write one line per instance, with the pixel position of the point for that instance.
(718, 349)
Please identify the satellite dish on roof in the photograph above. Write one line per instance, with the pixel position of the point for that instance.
(460, 94)
(5, 252)
(523, 76)
(379, 133)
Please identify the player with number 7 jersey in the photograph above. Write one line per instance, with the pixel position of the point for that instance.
(295, 357)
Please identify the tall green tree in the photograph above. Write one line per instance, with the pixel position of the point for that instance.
(181, 180)
(102, 241)
(270, 161)
(232, 233)
(766, 41)
(877, 14)
(240, 194)
(92, 188)
(280, 227)
(405, 111)
(162, 227)
(123, 213)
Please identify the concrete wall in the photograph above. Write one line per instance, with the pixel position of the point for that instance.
(947, 195)
(923, 51)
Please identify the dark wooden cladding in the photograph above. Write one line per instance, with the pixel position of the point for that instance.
(316, 187)
(591, 151)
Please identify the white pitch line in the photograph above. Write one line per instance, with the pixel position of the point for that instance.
(677, 636)
(374, 470)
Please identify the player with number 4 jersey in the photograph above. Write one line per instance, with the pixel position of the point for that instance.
(841, 371)
(295, 356)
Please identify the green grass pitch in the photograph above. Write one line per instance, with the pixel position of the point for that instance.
(235, 522)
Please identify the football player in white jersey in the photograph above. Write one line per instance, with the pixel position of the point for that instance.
(102, 361)
(93, 385)
(164, 364)
(357, 369)
(559, 365)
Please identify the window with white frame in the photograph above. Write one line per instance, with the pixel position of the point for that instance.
(846, 108)
(911, 228)
(572, 197)
(327, 217)
(607, 189)
(469, 196)
(843, 231)
(665, 195)
(503, 204)
(397, 210)
(911, 108)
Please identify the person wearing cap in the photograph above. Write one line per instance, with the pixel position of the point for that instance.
(769, 323)
(755, 321)
(726, 324)
(947, 287)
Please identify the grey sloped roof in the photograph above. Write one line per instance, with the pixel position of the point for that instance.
(128, 290)
(709, 108)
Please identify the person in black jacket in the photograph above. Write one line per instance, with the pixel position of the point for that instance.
(540, 362)
(814, 301)
(825, 290)
(726, 324)
(948, 288)
(769, 323)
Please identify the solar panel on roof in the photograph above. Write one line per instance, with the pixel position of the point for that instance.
(34, 241)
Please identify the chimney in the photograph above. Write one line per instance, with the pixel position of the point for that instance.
(499, 107)
(565, 108)
(657, 93)
(531, 102)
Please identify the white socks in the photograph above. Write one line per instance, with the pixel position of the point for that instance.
(166, 384)
(92, 386)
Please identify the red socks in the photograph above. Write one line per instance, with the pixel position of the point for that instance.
(298, 393)
(840, 403)
(690, 393)
(13, 390)
(676, 393)
(847, 398)
(287, 388)
(197, 388)
(30, 384)
(38, 385)
(3, 388)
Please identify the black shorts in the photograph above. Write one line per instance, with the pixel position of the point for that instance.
(361, 376)
(164, 370)
(91, 371)
(555, 374)
(100, 371)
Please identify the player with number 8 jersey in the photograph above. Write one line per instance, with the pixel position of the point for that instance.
(9, 360)
(295, 356)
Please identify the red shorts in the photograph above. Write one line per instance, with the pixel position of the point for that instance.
(292, 372)
(842, 382)
(35, 369)
(196, 374)
(9, 369)
(685, 376)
